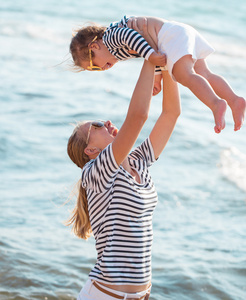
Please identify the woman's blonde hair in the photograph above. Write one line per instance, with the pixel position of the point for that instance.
(80, 215)
(80, 41)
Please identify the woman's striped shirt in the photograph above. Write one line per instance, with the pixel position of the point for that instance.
(120, 211)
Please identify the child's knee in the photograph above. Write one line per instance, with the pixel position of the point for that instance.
(201, 68)
(183, 70)
(183, 78)
(205, 73)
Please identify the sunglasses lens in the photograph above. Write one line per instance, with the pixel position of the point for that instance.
(97, 124)
(94, 68)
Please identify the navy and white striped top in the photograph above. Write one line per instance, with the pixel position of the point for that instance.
(121, 212)
(119, 40)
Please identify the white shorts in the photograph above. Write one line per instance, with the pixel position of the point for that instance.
(90, 292)
(177, 40)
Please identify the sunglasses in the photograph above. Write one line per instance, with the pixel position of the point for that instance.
(95, 124)
(91, 67)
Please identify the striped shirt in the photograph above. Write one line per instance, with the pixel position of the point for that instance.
(119, 40)
(120, 211)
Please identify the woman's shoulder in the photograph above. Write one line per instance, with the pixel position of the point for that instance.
(105, 159)
(144, 152)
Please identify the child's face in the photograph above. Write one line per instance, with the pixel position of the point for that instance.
(102, 57)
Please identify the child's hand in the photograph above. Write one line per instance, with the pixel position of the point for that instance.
(157, 84)
(158, 59)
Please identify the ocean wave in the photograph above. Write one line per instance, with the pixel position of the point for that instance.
(33, 31)
(233, 166)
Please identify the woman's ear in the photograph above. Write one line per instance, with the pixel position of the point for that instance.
(92, 151)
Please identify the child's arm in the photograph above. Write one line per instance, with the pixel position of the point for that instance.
(122, 37)
(139, 24)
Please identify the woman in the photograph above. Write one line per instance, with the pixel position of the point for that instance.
(117, 196)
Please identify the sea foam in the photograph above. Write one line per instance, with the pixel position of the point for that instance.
(233, 166)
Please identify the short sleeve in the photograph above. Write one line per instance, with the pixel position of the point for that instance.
(119, 38)
(99, 173)
(144, 152)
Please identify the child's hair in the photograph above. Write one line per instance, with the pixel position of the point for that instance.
(80, 41)
(80, 215)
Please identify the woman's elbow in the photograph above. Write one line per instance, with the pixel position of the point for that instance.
(174, 113)
(142, 118)
(145, 116)
(140, 115)
(178, 113)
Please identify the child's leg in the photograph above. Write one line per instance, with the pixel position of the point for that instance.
(223, 90)
(184, 73)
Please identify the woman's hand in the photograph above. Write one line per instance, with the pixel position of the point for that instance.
(158, 59)
(157, 84)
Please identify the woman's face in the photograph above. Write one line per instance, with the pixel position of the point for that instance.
(100, 137)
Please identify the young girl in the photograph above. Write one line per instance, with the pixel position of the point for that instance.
(99, 48)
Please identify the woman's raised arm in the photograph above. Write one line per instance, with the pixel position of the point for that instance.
(137, 114)
(171, 110)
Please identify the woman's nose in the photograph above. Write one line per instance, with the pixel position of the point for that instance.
(108, 123)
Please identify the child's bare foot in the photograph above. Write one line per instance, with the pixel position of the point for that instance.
(219, 115)
(238, 111)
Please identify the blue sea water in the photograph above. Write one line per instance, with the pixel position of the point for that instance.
(199, 249)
